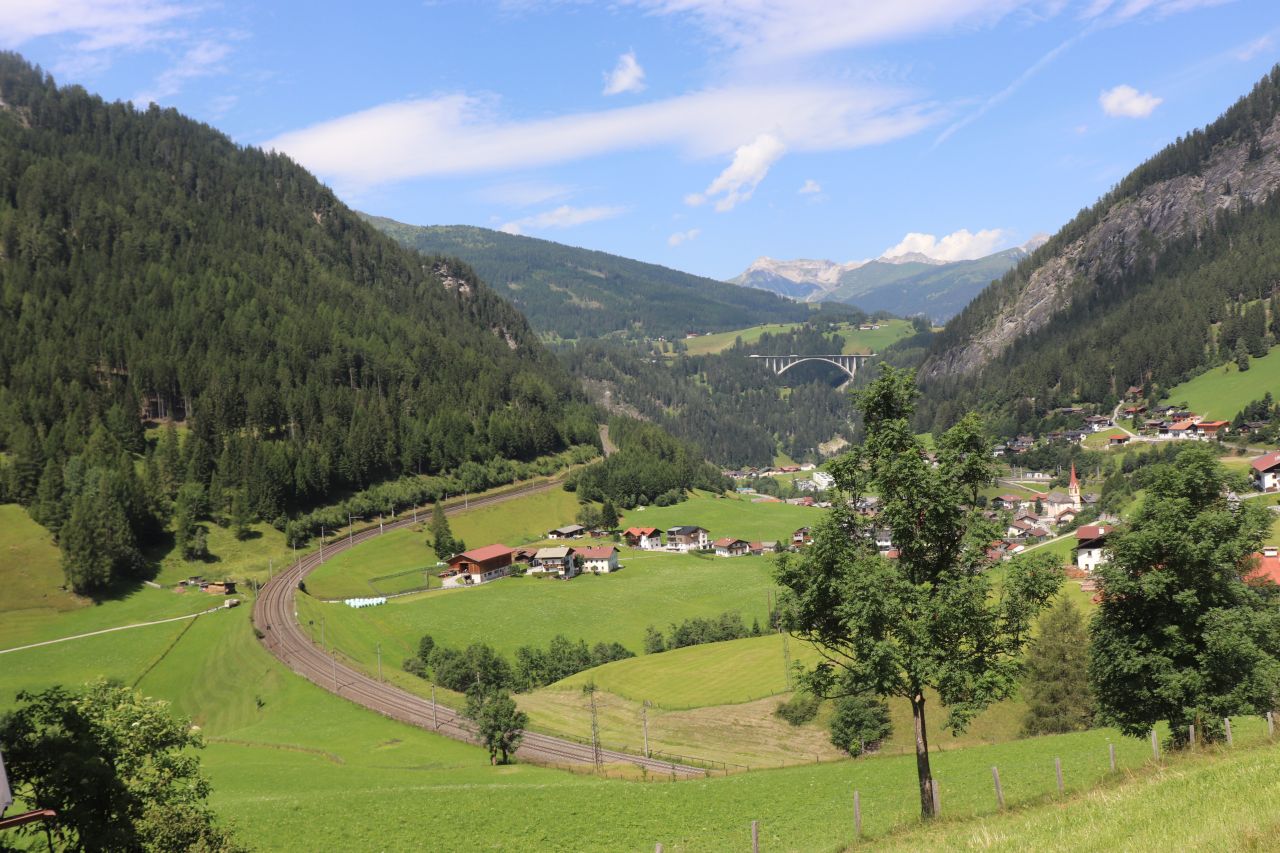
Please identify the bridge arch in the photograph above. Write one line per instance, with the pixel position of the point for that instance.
(780, 364)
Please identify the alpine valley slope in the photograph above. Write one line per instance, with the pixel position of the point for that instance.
(572, 292)
(1150, 285)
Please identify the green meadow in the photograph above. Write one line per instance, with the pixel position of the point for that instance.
(855, 341)
(728, 515)
(1221, 392)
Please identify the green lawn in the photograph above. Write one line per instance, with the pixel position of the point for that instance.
(731, 515)
(1223, 391)
(290, 764)
(31, 564)
(229, 556)
(855, 341)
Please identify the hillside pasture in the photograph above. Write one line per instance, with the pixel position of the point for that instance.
(729, 515)
(1221, 392)
(855, 341)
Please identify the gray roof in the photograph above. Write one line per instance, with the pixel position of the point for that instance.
(552, 553)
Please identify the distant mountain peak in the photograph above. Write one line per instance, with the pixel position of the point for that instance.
(912, 258)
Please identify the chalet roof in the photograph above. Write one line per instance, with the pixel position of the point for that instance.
(602, 552)
(729, 542)
(640, 531)
(569, 529)
(1090, 532)
(1212, 424)
(1266, 463)
(480, 555)
(685, 530)
(552, 553)
(1182, 426)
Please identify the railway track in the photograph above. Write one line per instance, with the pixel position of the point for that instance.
(275, 616)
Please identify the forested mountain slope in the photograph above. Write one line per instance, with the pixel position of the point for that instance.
(579, 293)
(1129, 292)
(147, 262)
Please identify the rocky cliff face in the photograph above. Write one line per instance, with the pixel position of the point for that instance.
(1130, 229)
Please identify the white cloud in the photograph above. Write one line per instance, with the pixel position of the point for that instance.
(627, 76)
(1128, 102)
(740, 178)
(101, 24)
(810, 187)
(200, 60)
(563, 216)
(459, 134)
(1253, 48)
(683, 236)
(957, 246)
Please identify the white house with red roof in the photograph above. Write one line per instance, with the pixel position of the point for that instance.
(600, 561)
(645, 538)
(730, 547)
(1091, 544)
(1266, 472)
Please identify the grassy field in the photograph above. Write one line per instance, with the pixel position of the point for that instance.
(32, 565)
(731, 515)
(855, 341)
(1223, 391)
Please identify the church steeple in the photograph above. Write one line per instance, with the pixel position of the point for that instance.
(1074, 488)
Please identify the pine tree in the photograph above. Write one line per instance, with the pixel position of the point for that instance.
(188, 509)
(1057, 680)
(241, 517)
(442, 541)
(50, 508)
(608, 515)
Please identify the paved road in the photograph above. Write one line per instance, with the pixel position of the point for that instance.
(275, 615)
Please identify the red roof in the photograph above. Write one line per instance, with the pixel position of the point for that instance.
(728, 541)
(640, 531)
(1182, 426)
(1092, 531)
(1211, 424)
(602, 553)
(1268, 567)
(480, 555)
(1266, 463)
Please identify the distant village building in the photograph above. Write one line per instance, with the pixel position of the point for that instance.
(646, 538)
(1091, 543)
(1266, 472)
(600, 560)
(569, 531)
(687, 538)
(801, 537)
(730, 547)
(480, 565)
(561, 562)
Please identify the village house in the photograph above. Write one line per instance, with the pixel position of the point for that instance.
(600, 560)
(1118, 440)
(1266, 472)
(645, 538)
(687, 538)
(730, 547)
(1011, 502)
(569, 531)
(479, 565)
(1133, 392)
(1210, 430)
(561, 562)
(801, 538)
(1097, 423)
(759, 549)
(1091, 543)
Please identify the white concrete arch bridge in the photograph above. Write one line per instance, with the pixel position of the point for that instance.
(780, 364)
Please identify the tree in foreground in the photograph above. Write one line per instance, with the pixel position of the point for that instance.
(499, 723)
(1056, 686)
(929, 619)
(442, 541)
(117, 767)
(859, 723)
(1180, 635)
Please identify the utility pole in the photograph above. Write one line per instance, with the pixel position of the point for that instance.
(334, 657)
(590, 689)
(322, 543)
(644, 718)
(379, 661)
(323, 644)
(435, 717)
(351, 520)
(786, 656)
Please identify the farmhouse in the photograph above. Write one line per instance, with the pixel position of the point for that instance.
(601, 560)
(569, 531)
(801, 537)
(687, 538)
(1266, 472)
(480, 564)
(730, 547)
(646, 538)
(561, 562)
(1118, 440)
(1091, 542)
(1210, 430)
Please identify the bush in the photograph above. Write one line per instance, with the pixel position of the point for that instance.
(799, 709)
(859, 723)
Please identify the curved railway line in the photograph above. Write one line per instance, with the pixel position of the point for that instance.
(275, 616)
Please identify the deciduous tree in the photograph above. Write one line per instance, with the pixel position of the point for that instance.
(499, 723)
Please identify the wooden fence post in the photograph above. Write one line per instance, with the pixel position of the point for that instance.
(857, 814)
(657, 848)
(1111, 748)
(1155, 745)
(1057, 769)
(755, 836)
(1227, 722)
(995, 774)
(1191, 736)
(1271, 725)
(937, 798)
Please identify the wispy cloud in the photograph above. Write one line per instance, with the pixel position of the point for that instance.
(561, 217)
(523, 193)
(683, 236)
(460, 134)
(1127, 102)
(200, 60)
(1259, 45)
(627, 76)
(957, 246)
(99, 24)
(751, 162)
(810, 187)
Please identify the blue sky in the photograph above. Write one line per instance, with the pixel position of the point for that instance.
(699, 134)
